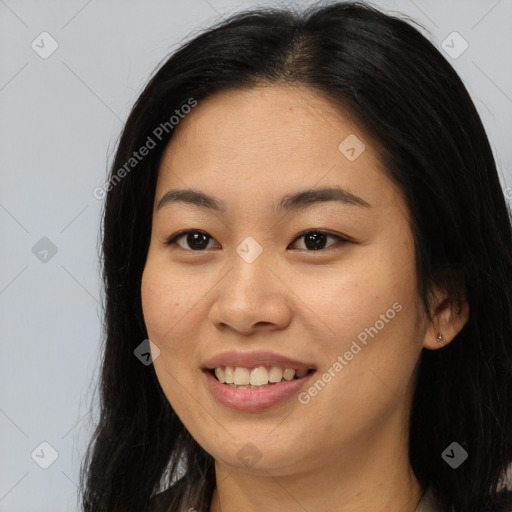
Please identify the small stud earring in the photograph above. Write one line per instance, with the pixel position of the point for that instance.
(440, 339)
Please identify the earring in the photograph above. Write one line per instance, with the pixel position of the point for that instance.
(440, 339)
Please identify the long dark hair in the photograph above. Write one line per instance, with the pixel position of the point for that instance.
(423, 124)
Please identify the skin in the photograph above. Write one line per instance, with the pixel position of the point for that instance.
(249, 148)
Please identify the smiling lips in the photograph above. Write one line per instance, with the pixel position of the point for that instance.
(254, 359)
(256, 377)
(254, 381)
(255, 369)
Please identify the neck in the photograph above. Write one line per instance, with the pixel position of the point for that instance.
(372, 474)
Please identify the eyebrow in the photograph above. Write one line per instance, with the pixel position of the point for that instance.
(295, 201)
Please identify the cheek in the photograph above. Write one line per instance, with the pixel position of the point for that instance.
(171, 307)
(165, 300)
(155, 303)
(367, 316)
(162, 310)
(342, 302)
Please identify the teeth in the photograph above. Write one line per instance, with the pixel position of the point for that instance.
(220, 374)
(229, 374)
(242, 376)
(246, 387)
(256, 377)
(288, 374)
(259, 376)
(275, 374)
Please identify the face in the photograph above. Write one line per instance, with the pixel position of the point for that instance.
(328, 281)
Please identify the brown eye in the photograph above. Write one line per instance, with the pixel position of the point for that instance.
(315, 240)
(195, 240)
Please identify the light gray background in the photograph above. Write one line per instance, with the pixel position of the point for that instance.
(60, 119)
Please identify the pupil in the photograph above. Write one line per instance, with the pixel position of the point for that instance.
(315, 241)
(194, 239)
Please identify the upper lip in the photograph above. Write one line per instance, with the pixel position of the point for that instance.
(255, 359)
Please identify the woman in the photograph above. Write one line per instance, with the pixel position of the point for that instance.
(304, 217)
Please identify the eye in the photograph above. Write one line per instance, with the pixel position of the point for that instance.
(197, 240)
(314, 240)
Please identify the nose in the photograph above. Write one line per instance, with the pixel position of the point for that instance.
(251, 297)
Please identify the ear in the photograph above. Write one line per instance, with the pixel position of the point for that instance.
(448, 321)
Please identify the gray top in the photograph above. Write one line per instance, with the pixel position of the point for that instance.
(428, 503)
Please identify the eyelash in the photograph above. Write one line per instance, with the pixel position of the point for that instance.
(174, 238)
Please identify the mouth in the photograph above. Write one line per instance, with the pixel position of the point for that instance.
(257, 378)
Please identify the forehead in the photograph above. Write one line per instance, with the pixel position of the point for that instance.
(266, 140)
(292, 121)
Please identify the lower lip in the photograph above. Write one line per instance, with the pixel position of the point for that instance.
(254, 400)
